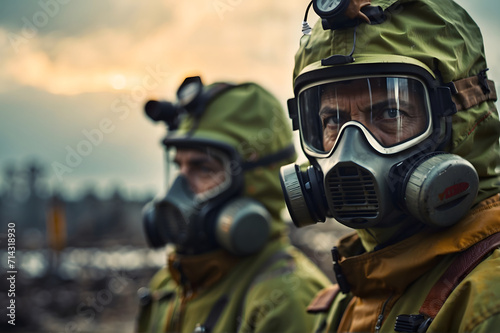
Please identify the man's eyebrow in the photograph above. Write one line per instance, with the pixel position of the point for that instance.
(197, 160)
(329, 110)
(391, 102)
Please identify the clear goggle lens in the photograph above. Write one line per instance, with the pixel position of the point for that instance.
(393, 112)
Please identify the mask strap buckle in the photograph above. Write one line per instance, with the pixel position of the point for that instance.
(338, 59)
(483, 81)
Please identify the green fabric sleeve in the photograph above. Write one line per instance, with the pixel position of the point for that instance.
(489, 325)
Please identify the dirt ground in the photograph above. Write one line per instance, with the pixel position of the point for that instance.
(98, 296)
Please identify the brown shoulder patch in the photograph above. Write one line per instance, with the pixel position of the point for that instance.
(324, 299)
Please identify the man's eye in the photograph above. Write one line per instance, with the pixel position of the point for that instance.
(204, 169)
(331, 121)
(391, 114)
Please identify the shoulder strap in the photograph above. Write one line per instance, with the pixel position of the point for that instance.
(214, 315)
(456, 272)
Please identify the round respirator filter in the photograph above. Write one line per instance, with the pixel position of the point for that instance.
(441, 190)
(243, 226)
(295, 201)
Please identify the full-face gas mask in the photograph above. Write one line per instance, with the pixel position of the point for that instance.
(201, 220)
(205, 207)
(375, 137)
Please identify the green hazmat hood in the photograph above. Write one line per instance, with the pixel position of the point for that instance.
(442, 38)
(252, 121)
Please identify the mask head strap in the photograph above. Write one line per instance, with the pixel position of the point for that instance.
(280, 155)
(473, 90)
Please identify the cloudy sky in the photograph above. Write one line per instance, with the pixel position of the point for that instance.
(74, 75)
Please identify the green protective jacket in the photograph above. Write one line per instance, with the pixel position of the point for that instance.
(396, 280)
(266, 292)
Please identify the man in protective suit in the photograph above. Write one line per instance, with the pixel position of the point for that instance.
(232, 268)
(398, 121)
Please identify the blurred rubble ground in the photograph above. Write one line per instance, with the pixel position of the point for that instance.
(81, 261)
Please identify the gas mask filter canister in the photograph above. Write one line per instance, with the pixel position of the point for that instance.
(441, 189)
(243, 226)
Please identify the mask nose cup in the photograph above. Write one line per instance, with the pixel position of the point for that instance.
(167, 220)
(352, 190)
(353, 194)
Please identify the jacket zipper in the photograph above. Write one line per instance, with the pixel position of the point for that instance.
(380, 318)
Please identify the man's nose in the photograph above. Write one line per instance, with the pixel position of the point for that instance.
(183, 170)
